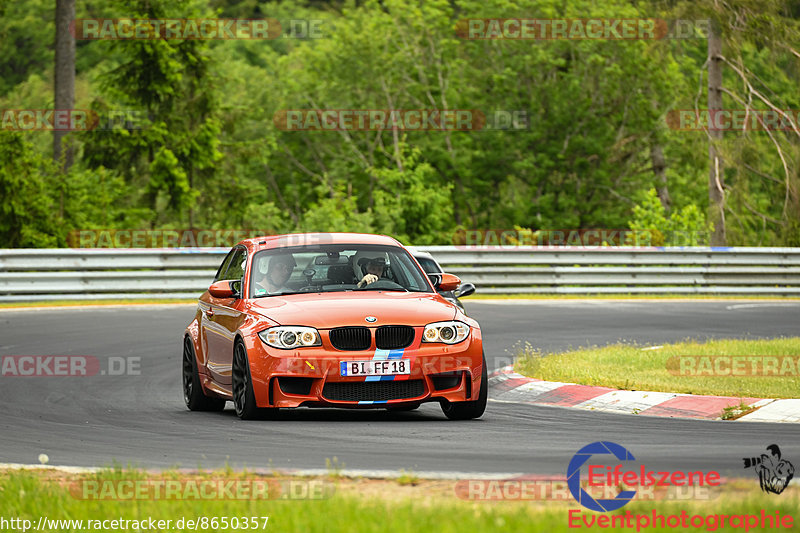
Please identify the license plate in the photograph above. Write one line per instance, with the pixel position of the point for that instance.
(385, 367)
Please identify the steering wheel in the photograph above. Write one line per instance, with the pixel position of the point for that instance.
(382, 283)
(310, 288)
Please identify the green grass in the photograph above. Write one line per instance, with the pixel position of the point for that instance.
(356, 509)
(629, 367)
(407, 478)
(732, 412)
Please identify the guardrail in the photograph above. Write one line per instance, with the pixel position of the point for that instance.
(92, 274)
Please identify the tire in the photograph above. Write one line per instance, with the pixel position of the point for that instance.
(469, 410)
(193, 394)
(244, 400)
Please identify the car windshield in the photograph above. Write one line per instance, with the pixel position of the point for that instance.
(335, 268)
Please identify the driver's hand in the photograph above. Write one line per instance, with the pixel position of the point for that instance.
(367, 279)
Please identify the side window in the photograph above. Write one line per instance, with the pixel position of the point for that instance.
(236, 267)
(224, 266)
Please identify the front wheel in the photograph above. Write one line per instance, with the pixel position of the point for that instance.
(468, 410)
(244, 400)
(193, 394)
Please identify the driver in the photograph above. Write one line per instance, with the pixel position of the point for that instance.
(278, 273)
(375, 270)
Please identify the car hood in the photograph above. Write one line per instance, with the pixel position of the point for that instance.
(330, 310)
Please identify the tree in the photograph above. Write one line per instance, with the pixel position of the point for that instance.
(64, 75)
(716, 192)
(26, 213)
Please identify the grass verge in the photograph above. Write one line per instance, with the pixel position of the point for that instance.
(354, 506)
(687, 367)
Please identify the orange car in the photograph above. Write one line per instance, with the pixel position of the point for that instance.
(330, 320)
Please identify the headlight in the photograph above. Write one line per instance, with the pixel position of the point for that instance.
(288, 337)
(451, 332)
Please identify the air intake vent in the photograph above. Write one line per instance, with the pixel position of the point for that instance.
(446, 381)
(293, 385)
(392, 337)
(350, 338)
(361, 391)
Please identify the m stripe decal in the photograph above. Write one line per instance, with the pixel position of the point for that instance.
(382, 355)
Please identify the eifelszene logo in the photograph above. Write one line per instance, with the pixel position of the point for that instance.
(774, 473)
(600, 475)
(574, 476)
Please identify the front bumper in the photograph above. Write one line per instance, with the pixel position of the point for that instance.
(312, 376)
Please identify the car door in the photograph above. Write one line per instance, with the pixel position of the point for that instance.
(204, 307)
(222, 319)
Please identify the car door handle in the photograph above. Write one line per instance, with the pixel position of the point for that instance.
(209, 312)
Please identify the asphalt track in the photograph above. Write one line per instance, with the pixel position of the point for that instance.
(141, 420)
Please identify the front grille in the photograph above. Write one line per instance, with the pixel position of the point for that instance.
(350, 338)
(358, 391)
(392, 337)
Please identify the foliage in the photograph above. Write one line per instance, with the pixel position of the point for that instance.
(684, 227)
(26, 213)
(25, 32)
(40, 206)
(170, 81)
(208, 154)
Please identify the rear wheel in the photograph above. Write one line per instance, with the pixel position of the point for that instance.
(193, 394)
(473, 409)
(244, 400)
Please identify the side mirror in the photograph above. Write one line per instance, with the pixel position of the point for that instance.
(465, 290)
(223, 289)
(449, 282)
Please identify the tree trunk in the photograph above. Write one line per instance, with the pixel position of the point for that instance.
(716, 197)
(660, 171)
(64, 89)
